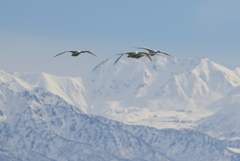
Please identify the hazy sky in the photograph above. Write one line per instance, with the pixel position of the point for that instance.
(33, 31)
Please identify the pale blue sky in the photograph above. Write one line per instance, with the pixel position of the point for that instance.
(33, 31)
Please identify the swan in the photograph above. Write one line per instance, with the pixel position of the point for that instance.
(154, 52)
(76, 53)
(134, 55)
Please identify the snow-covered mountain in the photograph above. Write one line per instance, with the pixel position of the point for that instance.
(169, 109)
(39, 125)
(166, 93)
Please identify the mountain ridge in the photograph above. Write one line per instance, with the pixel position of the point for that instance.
(164, 85)
(168, 91)
(167, 110)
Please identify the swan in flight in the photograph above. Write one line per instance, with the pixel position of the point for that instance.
(134, 55)
(76, 53)
(154, 52)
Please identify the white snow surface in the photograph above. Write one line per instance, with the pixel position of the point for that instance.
(224, 122)
(68, 88)
(234, 150)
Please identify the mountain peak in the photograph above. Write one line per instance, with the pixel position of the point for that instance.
(169, 84)
(69, 88)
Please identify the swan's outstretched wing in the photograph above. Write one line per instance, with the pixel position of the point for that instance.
(166, 54)
(152, 51)
(149, 50)
(89, 53)
(118, 58)
(145, 54)
(60, 53)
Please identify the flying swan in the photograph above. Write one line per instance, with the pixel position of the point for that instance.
(134, 55)
(154, 52)
(76, 53)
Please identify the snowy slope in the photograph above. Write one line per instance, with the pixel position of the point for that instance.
(225, 120)
(68, 88)
(12, 82)
(166, 93)
(39, 125)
